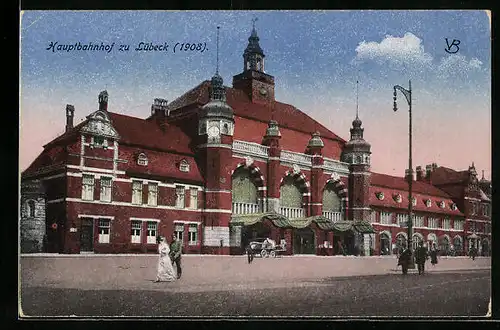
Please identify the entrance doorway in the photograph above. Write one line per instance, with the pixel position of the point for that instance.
(255, 231)
(385, 244)
(304, 241)
(87, 235)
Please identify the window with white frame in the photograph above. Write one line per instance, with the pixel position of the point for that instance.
(386, 218)
(179, 197)
(152, 228)
(446, 223)
(87, 187)
(373, 216)
(142, 159)
(184, 166)
(153, 194)
(402, 219)
(179, 231)
(474, 208)
(136, 232)
(30, 211)
(104, 230)
(193, 196)
(432, 222)
(418, 221)
(136, 192)
(458, 224)
(106, 189)
(193, 234)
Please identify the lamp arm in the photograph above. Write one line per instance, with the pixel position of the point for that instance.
(405, 92)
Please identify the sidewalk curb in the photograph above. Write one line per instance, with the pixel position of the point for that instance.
(98, 255)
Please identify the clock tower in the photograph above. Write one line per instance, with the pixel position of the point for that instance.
(215, 130)
(258, 85)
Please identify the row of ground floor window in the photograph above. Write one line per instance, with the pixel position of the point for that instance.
(97, 234)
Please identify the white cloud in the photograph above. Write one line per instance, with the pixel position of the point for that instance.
(405, 50)
(457, 63)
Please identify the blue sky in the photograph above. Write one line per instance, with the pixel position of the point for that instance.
(315, 56)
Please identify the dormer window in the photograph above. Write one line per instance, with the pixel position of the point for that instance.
(414, 201)
(453, 206)
(397, 198)
(428, 203)
(380, 195)
(441, 204)
(142, 159)
(184, 166)
(99, 142)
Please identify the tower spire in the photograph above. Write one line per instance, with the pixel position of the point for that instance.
(255, 19)
(357, 96)
(217, 67)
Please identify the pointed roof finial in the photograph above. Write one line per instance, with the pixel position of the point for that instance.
(255, 19)
(483, 175)
(217, 67)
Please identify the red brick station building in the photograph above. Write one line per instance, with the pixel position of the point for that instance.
(220, 166)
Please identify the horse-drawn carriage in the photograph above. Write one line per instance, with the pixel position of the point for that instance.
(266, 247)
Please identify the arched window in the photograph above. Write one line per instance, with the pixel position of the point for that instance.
(444, 244)
(331, 201)
(416, 239)
(457, 243)
(243, 188)
(401, 242)
(30, 208)
(290, 194)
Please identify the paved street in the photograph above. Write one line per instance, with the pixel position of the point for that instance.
(228, 286)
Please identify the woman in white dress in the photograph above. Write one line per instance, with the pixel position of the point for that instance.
(166, 272)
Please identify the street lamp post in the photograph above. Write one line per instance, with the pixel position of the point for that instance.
(407, 94)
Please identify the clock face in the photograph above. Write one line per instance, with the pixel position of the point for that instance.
(263, 91)
(213, 131)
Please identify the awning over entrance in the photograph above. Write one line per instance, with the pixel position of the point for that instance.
(283, 222)
(249, 219)
(364, 227)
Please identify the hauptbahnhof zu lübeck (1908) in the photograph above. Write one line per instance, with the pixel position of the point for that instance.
(220, 166)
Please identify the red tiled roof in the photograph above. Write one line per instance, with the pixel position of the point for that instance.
(389, 202)
(399, 183)
(443, 176)
(148, 134)
(286, 115)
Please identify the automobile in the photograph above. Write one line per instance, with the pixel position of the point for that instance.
(256, 245)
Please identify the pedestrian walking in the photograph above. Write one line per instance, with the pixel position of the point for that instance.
(165, 270)
(176, 253)
(473, 253)
(434, 259)
(249, 253)
(404, 260)
(421, 257)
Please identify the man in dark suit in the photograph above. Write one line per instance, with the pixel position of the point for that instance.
(421, 257)
(176, 253)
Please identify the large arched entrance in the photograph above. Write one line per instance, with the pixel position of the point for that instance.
(401, 242)
(304, 241)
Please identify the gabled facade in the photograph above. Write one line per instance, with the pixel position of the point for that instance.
(217, 167)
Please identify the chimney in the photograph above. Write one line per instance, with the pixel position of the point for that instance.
(408, 175)
(70, 111)
(159, 110)
(420, 173)
(103, 101)
(428, 171)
